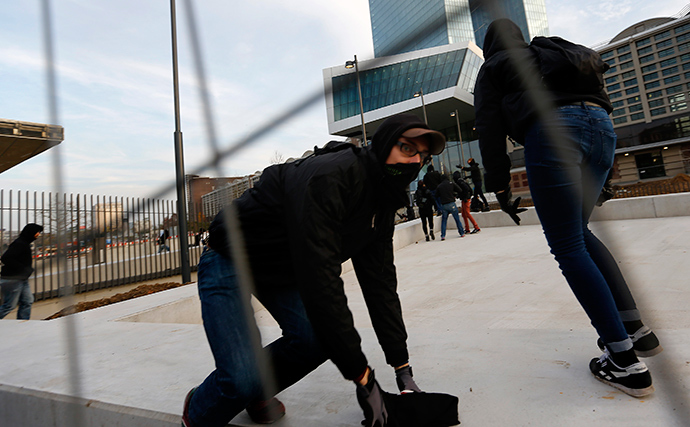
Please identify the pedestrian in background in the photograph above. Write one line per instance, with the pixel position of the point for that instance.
(549, 96)
(465, 198)
(447, 191)
(425, 202)
(477, 181)
(15, 273)
(163, 236)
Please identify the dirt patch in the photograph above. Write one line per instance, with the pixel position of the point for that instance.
(133, 293)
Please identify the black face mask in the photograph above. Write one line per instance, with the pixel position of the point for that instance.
(396, 178)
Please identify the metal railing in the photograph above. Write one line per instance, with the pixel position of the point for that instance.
(108, 241)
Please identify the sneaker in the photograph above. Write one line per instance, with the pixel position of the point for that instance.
(432, 235)
(427, 237)
(475, 231)
(185, 410)
(266, 411)
(645, 343)
(443, 238)
(467, 231)
(634, 380)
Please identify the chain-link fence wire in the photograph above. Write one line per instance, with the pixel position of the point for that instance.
(671, 386)
(75, 412)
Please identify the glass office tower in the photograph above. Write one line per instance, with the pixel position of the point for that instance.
(400, 26)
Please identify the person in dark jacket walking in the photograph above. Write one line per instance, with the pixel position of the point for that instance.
(425, 202)
(447, 191)
(431, 179)
(549, 96)
(15, 273)
(476, 176)
(465, 197)
(299, 223)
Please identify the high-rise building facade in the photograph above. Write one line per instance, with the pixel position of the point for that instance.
(400, 26)
(649, 87)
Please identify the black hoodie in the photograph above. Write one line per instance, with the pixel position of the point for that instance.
(16, 261)
(303, 219)
(502, 104)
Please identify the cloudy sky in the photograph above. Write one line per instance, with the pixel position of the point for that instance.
(261, 57)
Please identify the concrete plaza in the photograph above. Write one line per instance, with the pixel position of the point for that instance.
(490, 319)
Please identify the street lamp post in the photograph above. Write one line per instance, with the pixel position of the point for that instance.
(355, 64)
(421, 95)
(457, 121)
(179, 161)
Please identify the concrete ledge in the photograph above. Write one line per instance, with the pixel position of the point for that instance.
(45, 409)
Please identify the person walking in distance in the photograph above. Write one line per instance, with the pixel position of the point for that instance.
(476, 176)
(425, 202)
(465, 197)
(446, 191)
(15, 273)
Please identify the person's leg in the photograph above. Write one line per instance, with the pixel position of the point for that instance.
(555, 172)
(26, 298)
(465, 210)
(297, 352)
(469, 215)
(10, 295)
(481, 194)
(456, 217)
(430, 219)
(445, 210)
(236, 381)
(424, 220)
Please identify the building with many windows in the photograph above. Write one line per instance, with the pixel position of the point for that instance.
(400, 26)
(435, 83)
(649, 86)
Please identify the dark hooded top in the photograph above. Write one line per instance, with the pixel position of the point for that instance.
(504, 107)
(302, 220)
(475, 172)
(17, 260)
(447, 191)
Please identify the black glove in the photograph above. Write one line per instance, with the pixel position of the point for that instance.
(508, 206)
(406, 384)
(370, 398)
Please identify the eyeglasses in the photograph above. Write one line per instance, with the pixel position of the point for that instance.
(410, 150)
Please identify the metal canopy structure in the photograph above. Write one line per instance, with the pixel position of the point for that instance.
(20, 141)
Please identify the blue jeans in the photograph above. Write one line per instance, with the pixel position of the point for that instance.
(236, 381)
(566, 174)
(16, 292)
(450, 208)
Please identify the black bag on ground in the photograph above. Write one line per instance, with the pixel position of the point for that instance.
(421, 409)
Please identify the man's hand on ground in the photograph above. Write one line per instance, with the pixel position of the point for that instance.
(370, 399)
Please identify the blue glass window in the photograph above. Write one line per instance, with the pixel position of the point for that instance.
(395, 83)
(637, 116)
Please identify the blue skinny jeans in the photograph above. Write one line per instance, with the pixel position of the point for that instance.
(566, 173)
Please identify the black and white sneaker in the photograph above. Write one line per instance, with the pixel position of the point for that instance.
(645, 343)
(634, 380)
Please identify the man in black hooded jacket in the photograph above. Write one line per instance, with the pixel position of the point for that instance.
(16, 270)
(300, 223)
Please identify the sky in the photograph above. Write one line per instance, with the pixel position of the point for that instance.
(261, 58)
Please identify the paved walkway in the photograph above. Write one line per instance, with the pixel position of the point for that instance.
(490, 319)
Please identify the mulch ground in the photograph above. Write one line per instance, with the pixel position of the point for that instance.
(133, 293)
